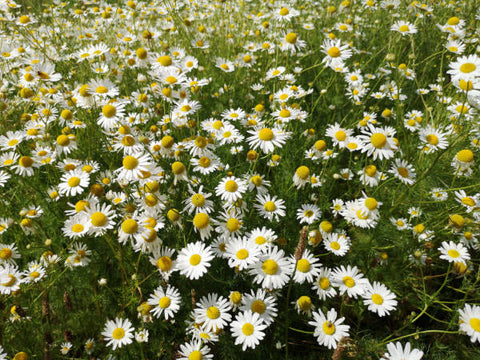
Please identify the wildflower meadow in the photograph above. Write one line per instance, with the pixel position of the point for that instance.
(239, 179)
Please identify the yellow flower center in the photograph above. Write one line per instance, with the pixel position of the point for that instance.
(77, 228)
(284, 113)
(34, 274)
(73, 181)
(24, 19)
(98, 219)
(378, 140)
(361, 215)
(25, 161)
(165, 60)
(195, 259)
(265, 134)
(304, 303)
(204, 162)
(328, 328)
(324, 283)
(178, 168)
(201, 220)
(270, 206)
(130, 226)
(164, 302)
(404, 28)
(348, 281)
(377, 299)
(270, 267)
(231, 186)
(260, 240)
(236, 297)
(242, 254)
(198, 200)
(284, 11)
(5, 253)
(247, 329)
(334, 52)
(128, 140)
(291, 38)
(371, 203)
(164, 263)
(200, 142)
(109, 111)
(303, 172)
(468, 67)
(118, 333)
(403, 171)
(465, 156)
(195, 355)
(233, 224)
(335, 245)
(475, 324)
(258, 306)
(213, 312)
(303, 265)
(453, 253)
(130, 162)
(432, 139)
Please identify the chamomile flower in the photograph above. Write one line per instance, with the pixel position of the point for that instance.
(193, 261)
(213, 312)
(397, 352)
(241, 253)
(403, 171)
(378, 142)
(337, 243)
(270, 207)
(8, 254)
(76, 226)
(465, 67)
(118, 333)
(323, 284)
(247, 329)
(272, 270)
(267, 138)
(454, 252)
(262, 237)
(165, 301)
(261, 303)
(470, 321)
(404, 28)
(231, 189)
(308, 214)
(349, 280)
(379, 299)
(73, 182)
(306, 269)
(100, 218)
(195, 350)
(198, 202)
(132, 167)
(328, 329)
(335, 52)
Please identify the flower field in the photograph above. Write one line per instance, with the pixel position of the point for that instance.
(239, 179)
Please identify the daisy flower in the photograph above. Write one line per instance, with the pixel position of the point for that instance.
(212, 312)
(379, 299)
(267, 138)
(161, 258)
(397, 352)
(404, 28)
(301, 176)
(328, 329)
(338, 244)
(323, 284)
(247, 329)
(73, 182)
(465, 67)
(112, 114)
(201, 223)
(262, 237)
(100, 218)
(195, 350)
(166, 302)
(378, 142)
(241, 253)
(76, 226)
(193, 261)
(261, 303)
(133, 167)
(471, 203)
(8, 254)
(307, 268)
(470, 321)
(10, 279)
(308, 214)
(454, 252)
(273, 270)
(349, 280)
(335, 51)
(118, 333)
(231, 189)
(463, 161)
(403, 171)
(270, 207)
(370, 176)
